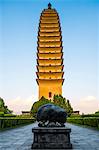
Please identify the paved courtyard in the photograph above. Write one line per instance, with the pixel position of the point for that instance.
(21, 138)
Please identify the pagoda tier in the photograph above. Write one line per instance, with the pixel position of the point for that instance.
(49, 49)
(48, 25)
(49, 11)
(48, 62)
(50, 44)
(49, 54)
(51, 39)
(50, 75)
(49, 29)
(49, 14)
(50, 81)
(50, 20)
(50, 68)
(53, 34)
(47, 17)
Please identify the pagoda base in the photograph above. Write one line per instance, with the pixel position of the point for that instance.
(51, 138)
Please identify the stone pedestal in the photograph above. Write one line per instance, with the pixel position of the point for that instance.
(51, 138)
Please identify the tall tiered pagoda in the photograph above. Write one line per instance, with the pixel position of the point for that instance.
(49, 54)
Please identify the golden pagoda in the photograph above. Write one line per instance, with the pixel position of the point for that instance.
(49, 54)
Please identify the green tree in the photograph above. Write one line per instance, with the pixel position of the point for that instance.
(69, 108)
(1, 102)
(62, 102)
(97, 112)
(4, 108)
(58, 100)
(37, 104)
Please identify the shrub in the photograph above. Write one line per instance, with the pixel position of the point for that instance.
(90, 115)
(1, 114)
(9, 115)
(13, 122)
(75, 120)
(75, 116)
(89, 121)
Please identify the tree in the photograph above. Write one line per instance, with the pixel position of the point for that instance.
(1, 102)
(4, 108)
(57, 100)
(69, 108)
(62, 102)
(37, 104)
(97, 112)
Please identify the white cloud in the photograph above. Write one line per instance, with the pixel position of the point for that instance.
(87, 105)
(19, 104)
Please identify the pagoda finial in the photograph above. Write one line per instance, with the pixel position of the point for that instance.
(49, 6)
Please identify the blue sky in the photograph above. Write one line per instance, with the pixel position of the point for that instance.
(18, 41)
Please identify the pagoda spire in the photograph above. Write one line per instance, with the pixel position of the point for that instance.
(49, 6)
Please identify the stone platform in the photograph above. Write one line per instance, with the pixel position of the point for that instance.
(51, 138)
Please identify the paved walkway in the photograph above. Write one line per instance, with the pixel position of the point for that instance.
(21, 138)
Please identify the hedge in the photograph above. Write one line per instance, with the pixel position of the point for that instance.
(1, 114)
(89, 121)
(90, 115)
(13, 122)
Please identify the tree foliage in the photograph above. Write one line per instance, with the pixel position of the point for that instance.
(64, 103)
(97, 112)
(4, 109)
(57, 100)
(37, 104)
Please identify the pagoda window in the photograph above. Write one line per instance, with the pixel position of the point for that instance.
(50, 94)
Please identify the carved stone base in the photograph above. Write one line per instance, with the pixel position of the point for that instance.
(51, 138)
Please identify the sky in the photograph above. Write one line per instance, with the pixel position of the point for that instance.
(19, 21)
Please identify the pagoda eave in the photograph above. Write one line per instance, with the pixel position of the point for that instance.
(49, 25)
(51, 66)
(47, 73)
(50, 55)
(47, 34)
(50, 61)
(49, 81)
(49, 49)
(51, 39)
(54, 66)
(49, 17)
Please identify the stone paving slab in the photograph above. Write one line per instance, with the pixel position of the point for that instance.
(21, 138)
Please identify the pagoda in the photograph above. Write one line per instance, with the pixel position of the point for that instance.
(49, 54)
